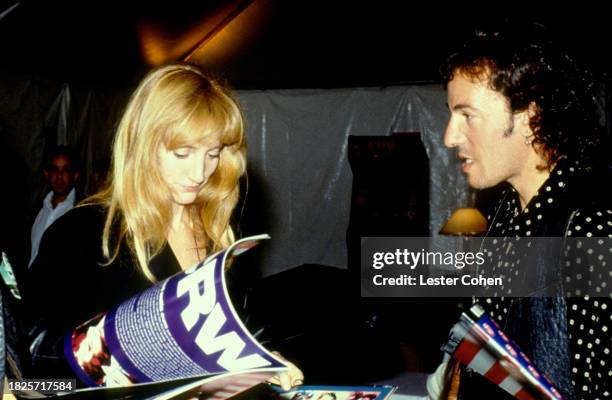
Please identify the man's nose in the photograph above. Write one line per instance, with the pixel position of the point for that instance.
(453, 136)
(59, 177)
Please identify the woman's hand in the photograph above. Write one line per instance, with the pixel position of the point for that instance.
(292, 377)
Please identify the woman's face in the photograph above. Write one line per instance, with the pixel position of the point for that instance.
(187, 169)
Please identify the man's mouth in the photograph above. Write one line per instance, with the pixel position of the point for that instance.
(466, 161)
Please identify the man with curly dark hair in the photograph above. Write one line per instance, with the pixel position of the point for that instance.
(522, 111)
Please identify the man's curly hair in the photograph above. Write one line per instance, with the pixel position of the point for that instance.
(521, 62)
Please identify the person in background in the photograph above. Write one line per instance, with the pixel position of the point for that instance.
(61, 173)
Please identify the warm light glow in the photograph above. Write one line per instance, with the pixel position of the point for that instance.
(211, 39)
(235, 36)
(465, 222)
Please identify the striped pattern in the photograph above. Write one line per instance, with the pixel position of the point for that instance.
(485, 349)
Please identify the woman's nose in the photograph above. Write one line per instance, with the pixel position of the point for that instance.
(197, 170)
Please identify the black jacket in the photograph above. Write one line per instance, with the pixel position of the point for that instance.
(67, 283)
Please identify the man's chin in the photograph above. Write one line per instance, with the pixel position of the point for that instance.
(63, 192)
(478, 184)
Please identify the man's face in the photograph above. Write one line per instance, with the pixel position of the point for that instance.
(487, 135)
(60, 175)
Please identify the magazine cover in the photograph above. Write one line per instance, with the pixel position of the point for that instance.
(478, 342)
(338, 393)
(183, 327)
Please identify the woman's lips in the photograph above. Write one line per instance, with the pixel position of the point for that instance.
(192, 188)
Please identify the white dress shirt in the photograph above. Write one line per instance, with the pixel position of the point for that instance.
(45, 218)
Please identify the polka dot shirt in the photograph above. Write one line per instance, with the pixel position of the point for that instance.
(588, 252)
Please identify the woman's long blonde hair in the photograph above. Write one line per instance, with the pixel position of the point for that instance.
(174, 106)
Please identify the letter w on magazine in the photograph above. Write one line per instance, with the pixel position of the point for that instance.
(183, 327)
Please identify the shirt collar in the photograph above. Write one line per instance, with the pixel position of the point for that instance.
(545, 200)
(68, 201)
(553, 189)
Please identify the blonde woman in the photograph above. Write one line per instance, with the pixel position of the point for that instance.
(174, 182)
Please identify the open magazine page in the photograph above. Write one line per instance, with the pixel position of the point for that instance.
(338, 393)
(224, 387)
(182, 327)
(478, 342)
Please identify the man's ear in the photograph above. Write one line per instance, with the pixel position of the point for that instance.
(532, 110)
(46, 175)
(527, 116)
(76, 176)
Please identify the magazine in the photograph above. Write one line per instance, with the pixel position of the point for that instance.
(337, 393)
(180, 335)
(478, 342)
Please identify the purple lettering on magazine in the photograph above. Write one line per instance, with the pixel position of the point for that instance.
(206, 325)
(184, 326)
